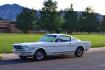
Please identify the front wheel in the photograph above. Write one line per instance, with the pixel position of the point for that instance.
(39, 55)
(79, 52)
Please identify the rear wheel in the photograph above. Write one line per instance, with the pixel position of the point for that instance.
(79, 52)
(39, 55)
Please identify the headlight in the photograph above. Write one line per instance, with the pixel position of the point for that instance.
(27, 48)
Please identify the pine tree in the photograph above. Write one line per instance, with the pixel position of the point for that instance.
(26, 20)
(50, 19)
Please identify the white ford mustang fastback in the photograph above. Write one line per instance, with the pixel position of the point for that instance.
(51, 44)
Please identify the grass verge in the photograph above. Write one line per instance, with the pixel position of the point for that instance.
(6, 40)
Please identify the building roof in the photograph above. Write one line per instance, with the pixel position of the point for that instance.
(3, 21)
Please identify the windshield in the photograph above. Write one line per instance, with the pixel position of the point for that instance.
(48, 38)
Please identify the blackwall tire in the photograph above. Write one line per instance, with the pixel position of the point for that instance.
(79, 52)
(39, 55)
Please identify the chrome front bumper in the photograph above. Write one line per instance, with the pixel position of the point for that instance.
(23, 53)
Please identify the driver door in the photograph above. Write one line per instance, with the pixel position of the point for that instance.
(63, 45)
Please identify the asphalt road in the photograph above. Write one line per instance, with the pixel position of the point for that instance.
(90, 61)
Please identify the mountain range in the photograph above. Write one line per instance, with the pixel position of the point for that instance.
(10, 11)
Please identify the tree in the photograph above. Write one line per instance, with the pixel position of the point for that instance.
(50, 19)
(88, 21)
(70, 19)
(26, 20)
(102, 25)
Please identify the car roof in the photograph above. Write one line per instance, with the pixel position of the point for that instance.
(58, 34)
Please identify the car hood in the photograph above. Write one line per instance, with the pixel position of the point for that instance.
(33, 43)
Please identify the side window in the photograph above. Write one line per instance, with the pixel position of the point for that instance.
(64, 39)
(73, 39)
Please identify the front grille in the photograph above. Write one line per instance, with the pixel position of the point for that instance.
(18, 47)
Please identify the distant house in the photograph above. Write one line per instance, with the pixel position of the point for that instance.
(8, 26)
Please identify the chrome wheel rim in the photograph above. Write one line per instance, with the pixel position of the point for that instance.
(39, 55)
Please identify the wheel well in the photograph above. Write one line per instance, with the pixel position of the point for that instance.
(81, 47)
(41, 50)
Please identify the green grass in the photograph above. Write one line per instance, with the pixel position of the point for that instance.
(96, 40)
(6, 40)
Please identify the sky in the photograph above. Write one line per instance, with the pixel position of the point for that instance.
(79, 5)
